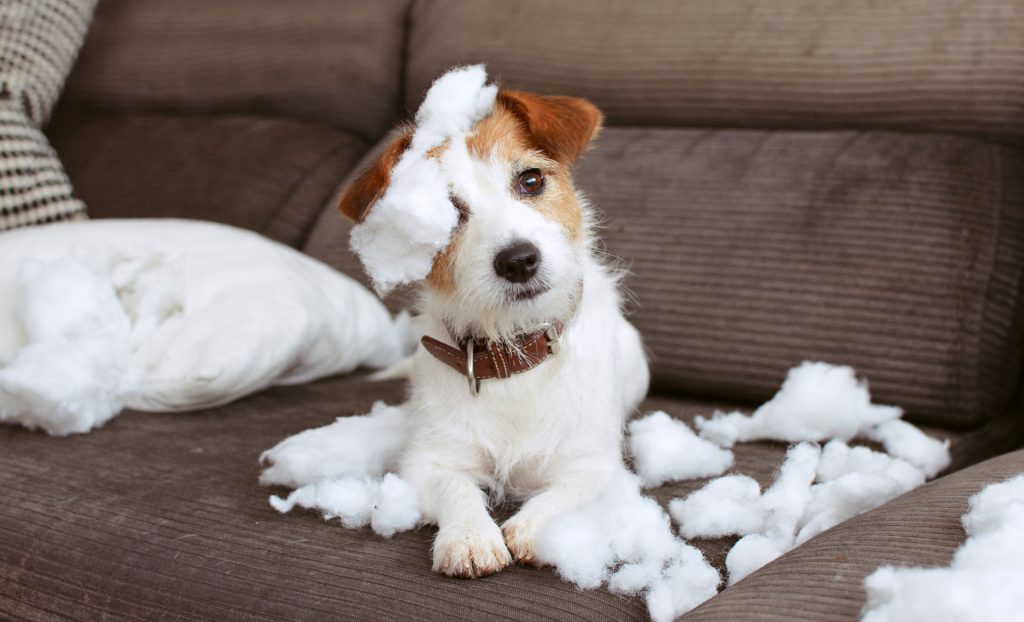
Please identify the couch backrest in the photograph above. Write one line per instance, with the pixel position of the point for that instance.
(320, 60)
(797, 64)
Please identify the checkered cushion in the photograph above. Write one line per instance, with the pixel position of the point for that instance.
(39, 40)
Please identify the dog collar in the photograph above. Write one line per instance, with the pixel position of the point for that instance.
(481, 359)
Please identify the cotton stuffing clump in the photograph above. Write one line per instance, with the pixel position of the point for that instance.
(907, 442)
(725, 506)
(75, 370)
(415, 218)
(387, 505)
(625, 540)
(817, 402)
(815, 489)
(667, 450)
(358, 446)
(981, 584)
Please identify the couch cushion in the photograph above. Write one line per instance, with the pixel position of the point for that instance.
(161, 514)
(321, 60)
(822, 581)
(271, 175)
(921, 64)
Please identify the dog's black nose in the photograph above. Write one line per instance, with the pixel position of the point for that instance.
(517, 262)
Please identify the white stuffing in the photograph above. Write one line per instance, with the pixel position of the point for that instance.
(688, 581)
(75, 370)
(624, 540)
(388, 504)
(360, 446)
(726, 506)
(415, 217)
(815, 490)
(853, 480)
(907, 442)
(455, 102)
(750, 553)
(667, 450)
(170, 315)
(983, 581)
(817, 402)
(344, 470)
(787, 498)
(783, 505)
(408, 226)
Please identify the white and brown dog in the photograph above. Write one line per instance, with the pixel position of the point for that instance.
(529, 369)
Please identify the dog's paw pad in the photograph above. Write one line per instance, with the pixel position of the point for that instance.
(520, 538)
(470, 553)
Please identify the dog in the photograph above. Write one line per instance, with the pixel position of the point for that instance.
(528, 368)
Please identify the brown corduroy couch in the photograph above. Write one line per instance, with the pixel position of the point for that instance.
(789, 180)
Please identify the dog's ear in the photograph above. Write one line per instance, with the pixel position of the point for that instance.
(561, 127)
(362, 192)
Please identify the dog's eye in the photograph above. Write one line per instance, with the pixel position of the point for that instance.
(531, 181)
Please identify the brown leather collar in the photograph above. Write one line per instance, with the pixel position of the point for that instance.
(480, 359)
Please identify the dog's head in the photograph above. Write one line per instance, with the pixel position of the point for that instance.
(515, 258)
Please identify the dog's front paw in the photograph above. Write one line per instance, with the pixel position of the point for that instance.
(470, 552)
(521, 537)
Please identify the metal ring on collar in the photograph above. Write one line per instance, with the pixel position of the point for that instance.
(474, 384)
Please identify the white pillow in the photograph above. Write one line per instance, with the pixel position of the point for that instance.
(170, 315)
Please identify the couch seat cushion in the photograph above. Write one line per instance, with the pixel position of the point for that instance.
(161, 515)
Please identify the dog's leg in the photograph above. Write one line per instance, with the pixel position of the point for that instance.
(568, 491)
(469, 542)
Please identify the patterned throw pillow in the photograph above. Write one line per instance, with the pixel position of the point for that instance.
(39, 40)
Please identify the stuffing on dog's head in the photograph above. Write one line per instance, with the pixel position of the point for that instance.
(477, 201)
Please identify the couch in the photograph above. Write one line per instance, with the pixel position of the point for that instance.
(838, 181)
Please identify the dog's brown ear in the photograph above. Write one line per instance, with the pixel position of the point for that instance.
(561, 127)
(362, 192)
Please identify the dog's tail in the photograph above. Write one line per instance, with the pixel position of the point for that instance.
(400, 370)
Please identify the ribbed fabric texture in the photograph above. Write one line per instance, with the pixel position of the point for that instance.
(822, 580)
(271, 175)
(320, 60)
(39, 40)
(911, 64)
(161, 515)
(901, 255)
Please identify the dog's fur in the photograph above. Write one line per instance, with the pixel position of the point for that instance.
(552, 435)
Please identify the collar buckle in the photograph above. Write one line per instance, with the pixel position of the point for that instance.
(551, 332)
